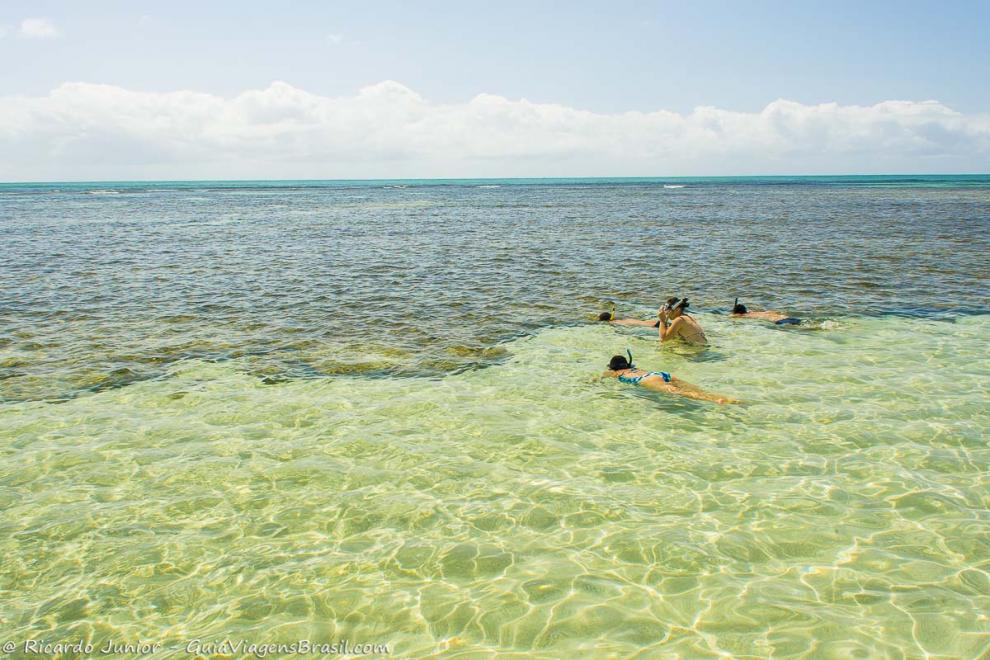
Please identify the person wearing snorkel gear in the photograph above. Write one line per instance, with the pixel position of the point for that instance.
(739, 311)
(676, 324)
(609, 317)
(659, 381)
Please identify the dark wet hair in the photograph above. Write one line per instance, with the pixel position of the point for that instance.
(677, 303)
(618, 363)
(737, 308)
(605, 316)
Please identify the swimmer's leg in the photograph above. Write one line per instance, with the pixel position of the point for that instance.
(684, 388)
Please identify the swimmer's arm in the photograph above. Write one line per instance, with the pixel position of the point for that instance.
(662, 327)
(603, 375)
(672, 330)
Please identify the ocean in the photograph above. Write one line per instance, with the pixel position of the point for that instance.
(367, 411)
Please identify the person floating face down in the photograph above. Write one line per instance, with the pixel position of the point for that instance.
(739, 311)
(676, 324)
(609, 317)
(604, 316)
(659, 381)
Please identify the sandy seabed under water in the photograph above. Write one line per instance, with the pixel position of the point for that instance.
(841, 511)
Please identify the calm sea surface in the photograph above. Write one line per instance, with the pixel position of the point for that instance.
(362, 410)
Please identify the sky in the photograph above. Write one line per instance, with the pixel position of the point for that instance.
(183, 90)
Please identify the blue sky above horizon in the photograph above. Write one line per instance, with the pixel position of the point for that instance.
(602, 58)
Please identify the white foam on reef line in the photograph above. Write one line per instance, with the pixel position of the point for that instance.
(670, 187)
(558, 514)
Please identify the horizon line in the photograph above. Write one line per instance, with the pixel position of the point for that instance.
(505, 178)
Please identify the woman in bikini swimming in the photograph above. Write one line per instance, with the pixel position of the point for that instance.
(659, 381)
(675, 323)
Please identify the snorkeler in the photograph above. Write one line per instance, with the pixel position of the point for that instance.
(659, 381)
(609, 317)
(739, 311)
(675, 323)
(604, 316)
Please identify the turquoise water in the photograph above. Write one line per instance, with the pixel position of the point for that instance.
(277, 413)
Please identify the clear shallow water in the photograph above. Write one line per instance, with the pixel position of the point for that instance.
(271, 484)
(842, 509)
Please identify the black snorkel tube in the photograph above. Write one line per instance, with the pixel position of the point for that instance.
(629, 353)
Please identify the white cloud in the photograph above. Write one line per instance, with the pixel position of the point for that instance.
(335, 39)
(90, 131)
(39, 28)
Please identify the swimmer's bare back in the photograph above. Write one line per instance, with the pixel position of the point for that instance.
(768, 315)
(686, 329)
